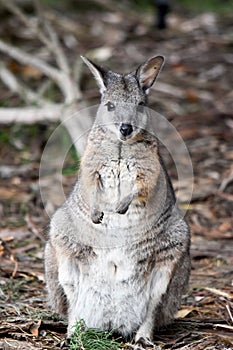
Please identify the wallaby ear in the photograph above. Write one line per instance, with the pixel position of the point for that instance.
(148, 71)
(98, 72)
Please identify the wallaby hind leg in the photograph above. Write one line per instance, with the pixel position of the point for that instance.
(171, 301)
(56, 296)
(168, 284)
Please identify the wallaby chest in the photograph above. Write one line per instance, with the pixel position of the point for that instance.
(120, 166)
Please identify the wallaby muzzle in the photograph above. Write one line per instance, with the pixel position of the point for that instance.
(126, 129)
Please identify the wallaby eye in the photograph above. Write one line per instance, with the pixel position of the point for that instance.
(140, 106)
(111, 107)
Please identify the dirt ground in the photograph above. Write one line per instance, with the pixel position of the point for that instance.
(194, 93)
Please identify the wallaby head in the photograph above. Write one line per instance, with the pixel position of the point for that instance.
(123, 97)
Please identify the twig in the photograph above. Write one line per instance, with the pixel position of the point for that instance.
(50, 39)
(15, 86)
(57, 49)
(32, 227)
(77, 71)
(12, 258)
(45, 86)
(8, 171)
(31, 115)
(218, 292)
(65, 82)
(68, 86)
(225, 326)
(229, 312)
(225, 182)
(180, 93)
(77, 127)
(16, 11)
(61, 75)
(11, 6)
(27, 59)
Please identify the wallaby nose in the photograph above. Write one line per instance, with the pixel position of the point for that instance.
(126, 129)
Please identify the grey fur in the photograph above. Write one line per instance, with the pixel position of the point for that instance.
(117, 254)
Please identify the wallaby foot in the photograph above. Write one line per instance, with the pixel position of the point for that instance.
(144, 335)
(97, 216)
(143, 343)
(64, 344)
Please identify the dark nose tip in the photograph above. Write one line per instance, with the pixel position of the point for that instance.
(126, 129)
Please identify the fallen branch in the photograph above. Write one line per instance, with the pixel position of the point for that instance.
(63, 75)
(76, 126)
(31, 60)
(53, 44)
(181, 93)
(31, 115)
(17, 87)
(64, 81)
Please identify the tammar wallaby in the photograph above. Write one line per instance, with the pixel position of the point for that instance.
(117, 254)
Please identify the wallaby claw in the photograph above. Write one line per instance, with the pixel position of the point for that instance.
(97, 216)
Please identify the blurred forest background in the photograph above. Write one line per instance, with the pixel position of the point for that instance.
(42, 80)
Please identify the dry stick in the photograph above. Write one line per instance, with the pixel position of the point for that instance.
(11, 6)
(77, 71)
(16, 11)
(44, 86)
(225, 182)
(69, 87)
(229, 312)
(28, 59)
(15, 86)
(61, 76)
(58, 51)
(31, 115)
(64, 82)
(72, 91)
(176, 92)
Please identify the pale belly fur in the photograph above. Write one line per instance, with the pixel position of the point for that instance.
(109, 294)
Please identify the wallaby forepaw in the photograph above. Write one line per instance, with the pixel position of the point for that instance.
(97, 216)
(123, 206)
